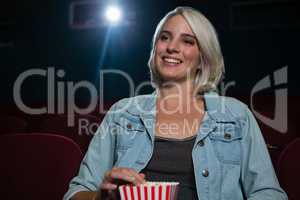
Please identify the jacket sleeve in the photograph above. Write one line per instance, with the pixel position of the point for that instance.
(258, 178)
(98, 159)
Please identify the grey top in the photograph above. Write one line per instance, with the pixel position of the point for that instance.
(172, 161)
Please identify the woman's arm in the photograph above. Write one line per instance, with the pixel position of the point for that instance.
(259, 180)
(98, 159)
(110, 184)
(86, 195)
(96, 171)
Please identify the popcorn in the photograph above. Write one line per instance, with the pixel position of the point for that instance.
(149, 191)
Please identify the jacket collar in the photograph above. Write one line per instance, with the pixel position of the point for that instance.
(215, 106)
(216, 112)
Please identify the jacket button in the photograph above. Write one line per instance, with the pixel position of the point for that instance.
(201, 143)
(129, 126)
(205, 173)
(227, 136)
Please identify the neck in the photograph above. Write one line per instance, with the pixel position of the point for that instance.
(178, 96)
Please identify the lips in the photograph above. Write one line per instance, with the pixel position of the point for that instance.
(171, 60)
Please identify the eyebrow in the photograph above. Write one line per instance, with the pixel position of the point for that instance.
(183, 34)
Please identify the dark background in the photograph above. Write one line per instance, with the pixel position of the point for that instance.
(257, 38)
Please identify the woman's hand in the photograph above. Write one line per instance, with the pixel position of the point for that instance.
(118, 176)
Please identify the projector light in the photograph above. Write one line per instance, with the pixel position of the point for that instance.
(113, 14)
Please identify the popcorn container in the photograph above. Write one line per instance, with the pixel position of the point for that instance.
(149, 191)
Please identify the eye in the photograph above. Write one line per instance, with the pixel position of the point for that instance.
(189, 41)
(163, 37)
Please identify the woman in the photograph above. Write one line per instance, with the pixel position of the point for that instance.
(184, 131)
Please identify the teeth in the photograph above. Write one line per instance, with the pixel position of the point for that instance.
(172, 60)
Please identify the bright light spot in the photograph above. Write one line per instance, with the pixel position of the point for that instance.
(113, 14)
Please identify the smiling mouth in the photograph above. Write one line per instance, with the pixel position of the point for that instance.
(172, 61)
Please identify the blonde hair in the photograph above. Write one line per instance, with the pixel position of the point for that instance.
(211, 66)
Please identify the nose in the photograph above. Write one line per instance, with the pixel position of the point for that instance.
(173, 47)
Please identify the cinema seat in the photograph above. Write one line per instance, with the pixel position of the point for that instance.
(37, 166)
(289, 169)
(81, 132)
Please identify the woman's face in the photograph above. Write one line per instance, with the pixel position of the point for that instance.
(177, 54)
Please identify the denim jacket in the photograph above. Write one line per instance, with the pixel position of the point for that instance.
(230, 158)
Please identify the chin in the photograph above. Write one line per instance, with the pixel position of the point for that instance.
(173, 78)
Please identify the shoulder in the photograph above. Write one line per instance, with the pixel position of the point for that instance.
(237, 108)
(239, 111)
(136, 104)
(225, 107)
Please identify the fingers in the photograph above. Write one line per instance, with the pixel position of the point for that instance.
(142, 175)
(123, 174)
(127, 174)
(119, 176)
(108, 186)
(136, 177)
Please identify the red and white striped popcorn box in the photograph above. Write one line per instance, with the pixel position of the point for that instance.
(149, 191)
